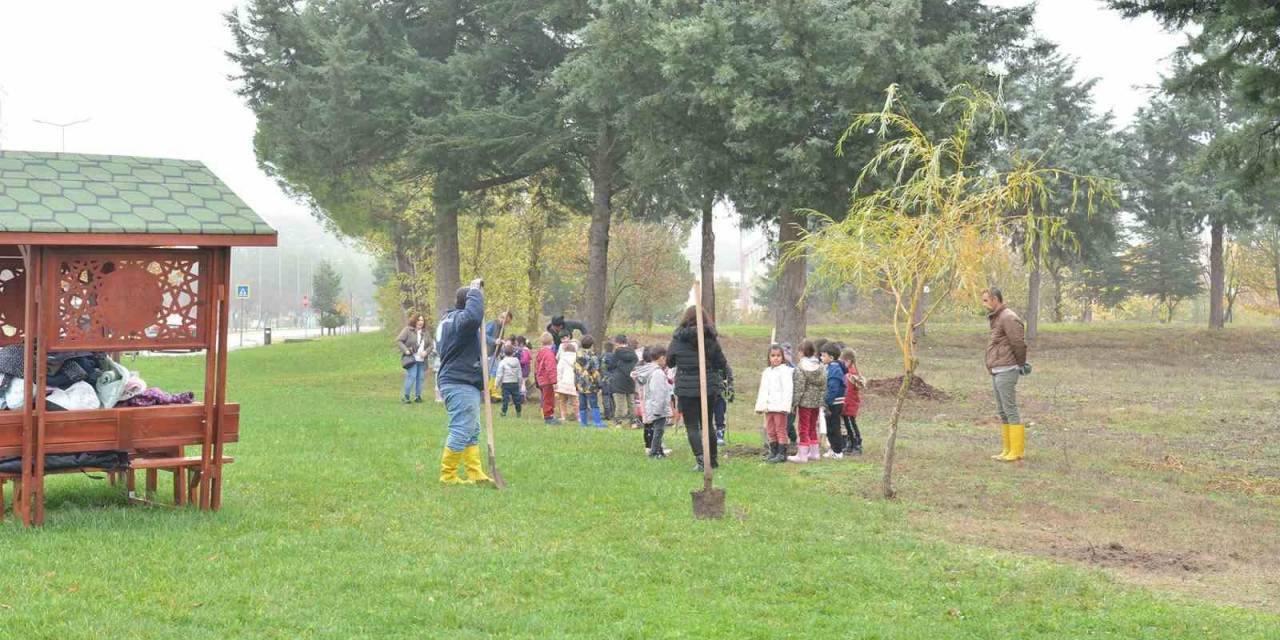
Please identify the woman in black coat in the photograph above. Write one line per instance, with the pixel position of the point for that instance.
(682, 355)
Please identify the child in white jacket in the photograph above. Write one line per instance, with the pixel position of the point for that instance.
(566, 381)
(774, 401)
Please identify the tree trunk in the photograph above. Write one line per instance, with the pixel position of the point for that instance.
(708, 258)
(918, 320)
(890, 444)
(1056, 274)
(1032, 316)
(405, 272)
(447, 271)
(1277, 274)
(537, 234)
(1217, 276)
(603, 168)
(789, 292)
(1087, 315)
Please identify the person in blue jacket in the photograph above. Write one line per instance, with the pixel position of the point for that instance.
(834, 399)
(461, 382)
(497, 328)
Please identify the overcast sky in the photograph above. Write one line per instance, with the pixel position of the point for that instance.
(152, 77)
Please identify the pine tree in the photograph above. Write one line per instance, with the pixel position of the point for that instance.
(326, 292)
(1166, 267)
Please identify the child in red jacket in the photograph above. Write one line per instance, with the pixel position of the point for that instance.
(544, 373)
(852, 400)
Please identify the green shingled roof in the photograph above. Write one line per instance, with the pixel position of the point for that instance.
(76, 193)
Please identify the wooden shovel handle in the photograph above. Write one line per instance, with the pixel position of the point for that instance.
(702, 386)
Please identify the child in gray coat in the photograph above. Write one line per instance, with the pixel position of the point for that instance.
(654, 388)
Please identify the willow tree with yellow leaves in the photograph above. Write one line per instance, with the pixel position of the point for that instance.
(940, 220)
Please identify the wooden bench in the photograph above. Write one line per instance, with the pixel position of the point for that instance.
(186, 477)
(154, 437)
(185, 470)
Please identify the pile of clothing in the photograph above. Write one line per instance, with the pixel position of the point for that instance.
(80, 380)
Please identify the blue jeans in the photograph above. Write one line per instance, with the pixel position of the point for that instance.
(413, 377)
(588, 403)
(462, 402)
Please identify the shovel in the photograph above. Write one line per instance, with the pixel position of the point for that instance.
(708, 502)
(498, 482)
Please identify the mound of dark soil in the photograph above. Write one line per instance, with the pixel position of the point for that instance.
(919, 388)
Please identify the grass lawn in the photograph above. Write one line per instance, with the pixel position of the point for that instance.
(333, 524)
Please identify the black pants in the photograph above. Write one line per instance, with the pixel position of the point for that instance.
(653, 435)
(855, 436)
(692, 410)
(791, 427)
(511, 393)
(717, 415)
(835, 436)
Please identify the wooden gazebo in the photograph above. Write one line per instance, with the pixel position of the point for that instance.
(110, 254)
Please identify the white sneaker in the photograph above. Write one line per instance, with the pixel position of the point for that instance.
(838, 456)
(830, 454)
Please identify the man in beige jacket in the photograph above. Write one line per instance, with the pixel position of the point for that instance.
(1006, 361)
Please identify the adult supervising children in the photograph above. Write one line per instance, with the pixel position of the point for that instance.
(562, 330)
(461, 382)
(1006, 361)
(682, 355)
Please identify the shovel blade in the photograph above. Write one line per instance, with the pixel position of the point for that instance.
(708, 504)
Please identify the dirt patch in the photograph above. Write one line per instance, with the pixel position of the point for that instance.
(1117, 556)
(918, 389)
(741, 451)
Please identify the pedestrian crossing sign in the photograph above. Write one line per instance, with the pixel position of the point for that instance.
(242, 291)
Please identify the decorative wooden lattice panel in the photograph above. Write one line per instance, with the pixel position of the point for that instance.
(13, 300)
(120, 299)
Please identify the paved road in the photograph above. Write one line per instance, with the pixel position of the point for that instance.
(253, 337)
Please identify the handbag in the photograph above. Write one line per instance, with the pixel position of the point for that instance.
(407, 360)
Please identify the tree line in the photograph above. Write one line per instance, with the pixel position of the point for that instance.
(419, 125)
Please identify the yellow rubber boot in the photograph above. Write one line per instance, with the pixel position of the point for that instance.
(1017, 442)
(449, 467)
(475, 470)
(1004, 436)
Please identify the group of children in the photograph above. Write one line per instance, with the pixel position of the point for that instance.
(825, 384)
(633, 385)
(574, 381)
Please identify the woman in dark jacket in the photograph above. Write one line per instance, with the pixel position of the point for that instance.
(682, 355)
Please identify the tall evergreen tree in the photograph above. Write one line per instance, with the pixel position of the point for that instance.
(1178, 180)
(1233, 42)
(1053, 119)
(455, 91)
(788, 77)
(326, 292)
(1166, 267)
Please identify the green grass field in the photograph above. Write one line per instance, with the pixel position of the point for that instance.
(334, 526)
